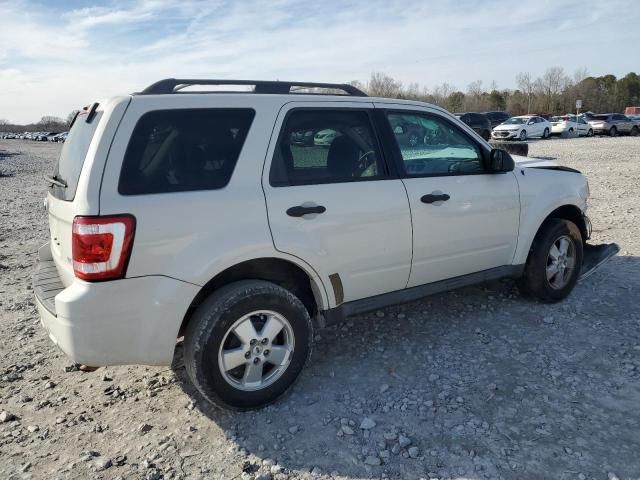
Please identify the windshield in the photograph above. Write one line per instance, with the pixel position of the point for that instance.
(72, 156)
(516, 121)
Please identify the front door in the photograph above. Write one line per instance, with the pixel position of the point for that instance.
(465, 220)
(332, 202)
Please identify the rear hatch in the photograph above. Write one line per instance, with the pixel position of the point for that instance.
(75, 182)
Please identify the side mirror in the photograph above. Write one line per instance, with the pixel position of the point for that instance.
(500, 161)
(531, 122)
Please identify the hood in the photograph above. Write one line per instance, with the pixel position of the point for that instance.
(502, 126)
(546, 163)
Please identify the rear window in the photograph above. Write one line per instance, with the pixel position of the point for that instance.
(72, 157)
(184, 150)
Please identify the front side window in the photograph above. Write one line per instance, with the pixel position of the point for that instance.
(326, 146)
(432, 146)
(184, 150)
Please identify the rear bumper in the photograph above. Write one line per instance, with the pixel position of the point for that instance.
(129, 321)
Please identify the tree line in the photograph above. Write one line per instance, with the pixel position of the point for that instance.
(48, 123)
(554, 93)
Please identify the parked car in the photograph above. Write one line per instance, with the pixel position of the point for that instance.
(546, 116)
(612, 124)
(571, 124)
(134, 261)
(522, 127)
(630, 111)
(51, 136)
(496, 118)
(478, 122)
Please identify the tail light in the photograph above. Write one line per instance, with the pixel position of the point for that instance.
(101, 246)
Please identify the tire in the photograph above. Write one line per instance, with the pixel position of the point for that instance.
(523, 135)
(634, 131)
(613, 132)
(545, 134)
(535, 281)
(590, 132)
(211, 331)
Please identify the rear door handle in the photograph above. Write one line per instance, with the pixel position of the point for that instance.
(435, 197)
(299, 211)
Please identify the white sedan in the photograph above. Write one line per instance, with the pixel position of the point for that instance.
(522, 127)
(569, 124)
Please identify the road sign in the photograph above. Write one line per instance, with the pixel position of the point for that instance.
(578, 103)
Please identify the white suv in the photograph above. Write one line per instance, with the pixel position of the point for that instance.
(220, 216)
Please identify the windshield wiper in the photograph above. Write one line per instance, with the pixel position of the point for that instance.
(55, 181)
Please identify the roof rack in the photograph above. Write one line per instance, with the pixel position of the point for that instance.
(174, 85)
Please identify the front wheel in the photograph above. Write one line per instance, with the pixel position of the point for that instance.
(554, 261)
(634, 131)
(523, 135)
(613, 131)
(247, 343)
(590, 132)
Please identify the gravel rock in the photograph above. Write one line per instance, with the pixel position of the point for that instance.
(413, 452)
(6, 416)
(403, 441)
(367, 424)
(371, 460)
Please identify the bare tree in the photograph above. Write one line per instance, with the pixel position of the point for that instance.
(382, 85)
(580, 74)
(553, 82)
(526, 85)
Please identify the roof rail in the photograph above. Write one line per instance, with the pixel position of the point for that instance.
(174, 85)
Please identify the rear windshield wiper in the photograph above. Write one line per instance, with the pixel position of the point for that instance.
(55, 181)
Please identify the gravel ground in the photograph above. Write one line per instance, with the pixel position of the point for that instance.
(472, 384)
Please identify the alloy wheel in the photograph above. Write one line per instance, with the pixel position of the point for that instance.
(256, 350)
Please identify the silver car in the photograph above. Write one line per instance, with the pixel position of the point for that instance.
(612, 124)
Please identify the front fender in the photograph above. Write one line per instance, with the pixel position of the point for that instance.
(541, 193)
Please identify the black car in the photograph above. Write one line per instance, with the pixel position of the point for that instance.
(496, 118)
(479, 122)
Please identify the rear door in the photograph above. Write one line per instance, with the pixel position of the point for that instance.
(335, 202)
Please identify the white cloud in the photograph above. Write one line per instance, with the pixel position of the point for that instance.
(53, 61)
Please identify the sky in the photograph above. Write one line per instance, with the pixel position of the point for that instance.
(56, 56)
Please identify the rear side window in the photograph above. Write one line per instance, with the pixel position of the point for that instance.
(74, 151)
(184, 150)
(326, 146)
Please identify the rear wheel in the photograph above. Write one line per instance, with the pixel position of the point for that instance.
(634, 131)
(613, 131)
(545, 134)
(554, 262)
(247, 343)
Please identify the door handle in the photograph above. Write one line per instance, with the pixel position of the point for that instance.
(299, 210)
(432, 198)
